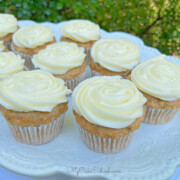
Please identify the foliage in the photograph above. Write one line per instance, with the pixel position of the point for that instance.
(157, 22)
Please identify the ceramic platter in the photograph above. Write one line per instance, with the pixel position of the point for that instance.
(153, 154)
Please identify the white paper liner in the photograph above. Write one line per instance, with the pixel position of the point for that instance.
(28, 63)
(36, 135)
(72, 83)
(105, 145)
(88, 55)
(159, 116)
(94, 73)
(8, 45)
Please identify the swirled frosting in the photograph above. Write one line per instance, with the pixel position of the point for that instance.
(2, 47)
(60, 57)
(32, 91)
(115, 54)
(108, 101)
(81, 30)
(33, 36)
(8, 24)
(159, 78)
(10, 63)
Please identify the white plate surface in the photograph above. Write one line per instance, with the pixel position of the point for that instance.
(153, 154)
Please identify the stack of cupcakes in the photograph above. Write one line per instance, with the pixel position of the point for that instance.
(108, 107)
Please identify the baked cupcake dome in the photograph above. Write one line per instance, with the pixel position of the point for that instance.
(34, 103)
(159, 81)
(108, 110)
(29, 40)
(8, 26)
(10, 63)
(64, 60)
(114, 57)
(83, 32)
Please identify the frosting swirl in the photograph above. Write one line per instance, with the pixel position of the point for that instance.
(33, 36)
(81, 30)
(115, 54)
(2, 47)
(8, 24)
(60, 57)
(108, 101)
(159, 78)
(32, 91)
(10, 63)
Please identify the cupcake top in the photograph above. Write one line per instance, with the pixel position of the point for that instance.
(108, 101)
(8, 24)
(10, 63)
(2, 46)
(60, 57)
(33, 36)
(159, 78)
(81, 30)
(115, 54)
(32, 91)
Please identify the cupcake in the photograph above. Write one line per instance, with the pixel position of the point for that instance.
(30, 40)
(8, 26)
(3, 48)
(10, 63)
(108, 110)
(64, 60)
(83, 32)
(159, 81)
(114, 57)
(34, 104)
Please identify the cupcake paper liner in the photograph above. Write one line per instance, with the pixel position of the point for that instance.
(88, 55)
(72, 83)
(36, 135)
(28, 63)
(8, 45)
(105, 145)
(159, 116)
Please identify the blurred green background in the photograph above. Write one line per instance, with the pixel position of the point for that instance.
(157, 22)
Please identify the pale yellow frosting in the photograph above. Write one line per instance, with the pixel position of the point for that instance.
(35, 90)
(108, 101)
(115, 54)
(81, 30)
(60, 57)
(2, 47)
(8, 24)
(10, 63)
(33, 36)
(159, 78)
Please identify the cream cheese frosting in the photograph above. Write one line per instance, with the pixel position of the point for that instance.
(81, 30)
(108, 101)
(35, 90)
(60, 57)
(33, 36)
(8, 24)
(10, 63)
(2, 47)
(158, 77)
(116, 54)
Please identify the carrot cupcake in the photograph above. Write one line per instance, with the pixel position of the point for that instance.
(83, 32)
(10, 63)
(64, 60)
(108, 110)
(8, 26)
(34, 104)
(3, 48)
(159, 81)
(30, 40)
(114, 57)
